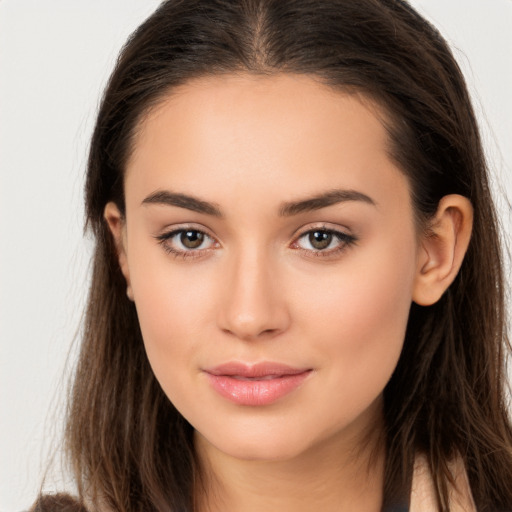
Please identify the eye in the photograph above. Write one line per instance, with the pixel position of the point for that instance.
(320, 240)
(324, 242)
(191, 238)
(186, 242)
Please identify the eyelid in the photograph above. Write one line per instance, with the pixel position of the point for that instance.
(167, 235)
(321, 226)
(345, 238)
(173, 228)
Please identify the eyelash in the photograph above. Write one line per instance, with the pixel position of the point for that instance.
(345, 241)
(164, 239)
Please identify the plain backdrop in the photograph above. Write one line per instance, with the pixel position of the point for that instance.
(55, 57)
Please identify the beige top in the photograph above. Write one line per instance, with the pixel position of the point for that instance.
(423, 495)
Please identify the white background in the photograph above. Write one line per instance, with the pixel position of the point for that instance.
(55, 57)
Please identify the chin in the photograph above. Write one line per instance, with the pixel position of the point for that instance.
(267, 451)
(263, 445)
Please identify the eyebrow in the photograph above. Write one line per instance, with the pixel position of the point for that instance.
(323, 200)
(165, 197)
(288, 209)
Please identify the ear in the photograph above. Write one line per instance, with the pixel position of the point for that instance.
(116, 223)
(442, 249)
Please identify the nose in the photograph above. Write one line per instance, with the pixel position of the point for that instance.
(253, 304)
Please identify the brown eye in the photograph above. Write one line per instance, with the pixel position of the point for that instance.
(191, 239)
(187, 243)
(320, 239)
(324, 242)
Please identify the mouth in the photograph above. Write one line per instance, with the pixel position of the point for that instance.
(255, 385)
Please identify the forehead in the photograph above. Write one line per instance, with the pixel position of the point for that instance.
(287, 133)
(237, 101)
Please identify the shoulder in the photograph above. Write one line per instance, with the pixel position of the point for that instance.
(423, 494)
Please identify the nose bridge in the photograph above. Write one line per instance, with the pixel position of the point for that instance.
(253, 305)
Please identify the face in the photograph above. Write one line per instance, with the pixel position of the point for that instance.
(270, 248)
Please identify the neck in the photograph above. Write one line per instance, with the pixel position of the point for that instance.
(331, 477)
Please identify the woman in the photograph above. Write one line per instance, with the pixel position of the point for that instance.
(297, 295)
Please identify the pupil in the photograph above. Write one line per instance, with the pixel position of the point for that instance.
(320, 239)
(191, 239)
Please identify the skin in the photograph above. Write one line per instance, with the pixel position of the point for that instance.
(258, 290)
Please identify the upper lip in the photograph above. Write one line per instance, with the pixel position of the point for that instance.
(263, 369)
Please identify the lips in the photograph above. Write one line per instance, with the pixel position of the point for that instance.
(255, 385)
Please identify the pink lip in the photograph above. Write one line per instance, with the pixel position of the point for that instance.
(259, 384)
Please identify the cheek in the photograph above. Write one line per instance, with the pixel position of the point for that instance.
(360, 316)
(173, 306)
(172, 320)
(375, 299)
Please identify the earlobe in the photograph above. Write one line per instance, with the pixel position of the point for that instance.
(442, 249)
(116, 224)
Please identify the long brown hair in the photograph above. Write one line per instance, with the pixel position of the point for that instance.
(131, 450)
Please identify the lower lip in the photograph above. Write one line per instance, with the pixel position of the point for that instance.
(258, 391)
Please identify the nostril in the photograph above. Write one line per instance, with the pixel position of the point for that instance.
(248, 334)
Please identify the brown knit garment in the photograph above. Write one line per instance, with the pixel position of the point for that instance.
(57, 503)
